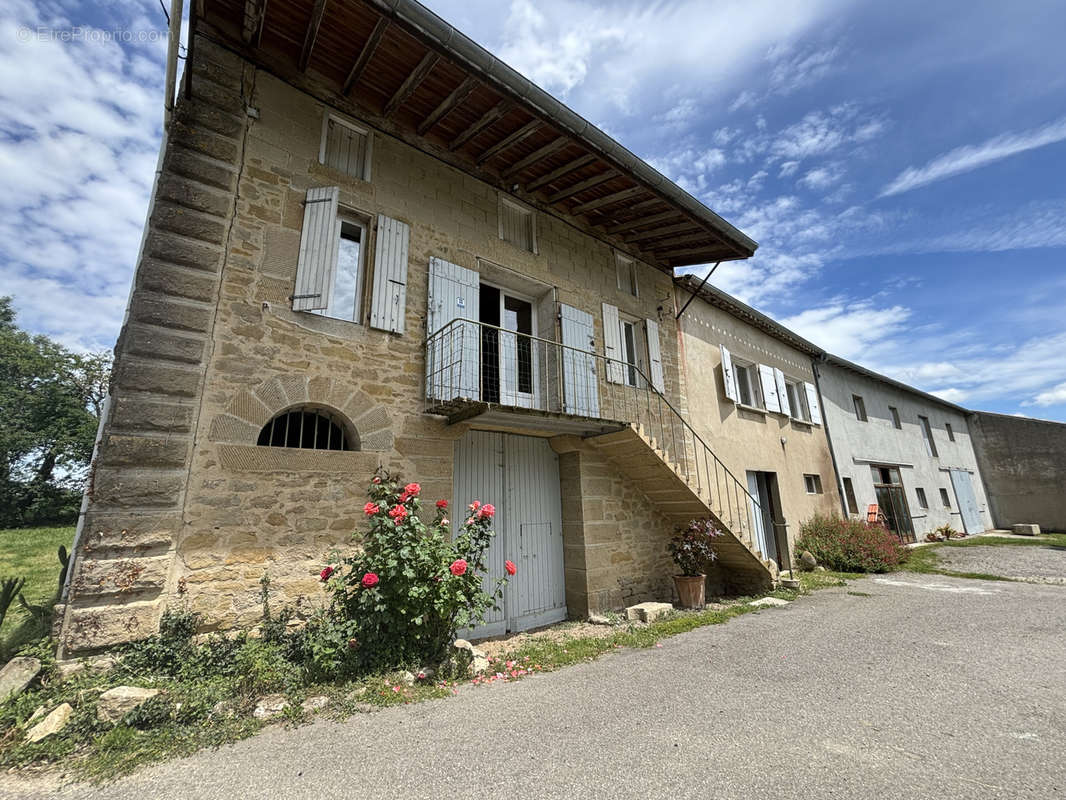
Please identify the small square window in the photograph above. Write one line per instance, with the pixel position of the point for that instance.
(923, 502)
(896, 423)
(345, 147)
(860, 408)
(849, 496)
(813, 484)
(944, 498)
(626, 269)
(517, 225)
(951, 433)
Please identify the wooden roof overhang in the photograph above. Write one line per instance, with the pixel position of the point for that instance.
(405, 71)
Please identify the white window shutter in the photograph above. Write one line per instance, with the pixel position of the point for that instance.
(769, 389)
(782, 393)
(729, 377)
(655, 356)
(319, 245)
(812, 403)
(390, 275)
(612, 344)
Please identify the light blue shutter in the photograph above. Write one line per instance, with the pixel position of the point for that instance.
(452, 350)
(390, 275)
(812, 403)
(782, 393)
(729, 378)
(655, 356)
(319, 244)
(612, 344)
(581, 391)
(769, 389)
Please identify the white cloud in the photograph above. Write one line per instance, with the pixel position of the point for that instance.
(1054, 396)
(971, 157)
(821, 178)
(848, 329)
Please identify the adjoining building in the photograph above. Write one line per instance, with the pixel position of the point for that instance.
(905, 451)
(750, 390)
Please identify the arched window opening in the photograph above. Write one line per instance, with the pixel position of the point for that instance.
(308, 429)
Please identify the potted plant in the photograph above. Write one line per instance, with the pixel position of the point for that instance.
(692, 550)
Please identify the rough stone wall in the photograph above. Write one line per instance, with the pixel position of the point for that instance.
(1023, 464)
(133, 520)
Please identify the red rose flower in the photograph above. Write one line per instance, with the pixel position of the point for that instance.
(510, 567)
(458, 567)
(370, 580)
(412, 489)
(371, 508)
(486, 511)
(442, 504)
(325, 573)
(475, 505)
(398, 513)
(377, 479)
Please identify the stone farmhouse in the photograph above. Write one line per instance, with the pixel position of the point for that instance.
(371, 244)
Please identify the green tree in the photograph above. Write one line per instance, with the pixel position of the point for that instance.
(50, 402)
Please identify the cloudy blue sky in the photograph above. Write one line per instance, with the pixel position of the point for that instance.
(903, 165)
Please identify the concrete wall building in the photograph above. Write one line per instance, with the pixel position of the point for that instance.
(1023, 463)
(750, 391)
(907, 451)
(371, 244)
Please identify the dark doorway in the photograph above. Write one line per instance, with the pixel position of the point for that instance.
(892, 502)
(489, 314)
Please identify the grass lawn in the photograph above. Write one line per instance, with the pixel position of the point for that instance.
(29, 553)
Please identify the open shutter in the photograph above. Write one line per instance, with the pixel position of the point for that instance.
(769, 388)
(782, 392)
(390, 275)
(812, 403)
(319, 243)
(655, 355)
(728, 376)
(612, 344)
(452, 349)
(581, 391)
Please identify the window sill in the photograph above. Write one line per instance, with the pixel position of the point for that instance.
(253, 458)
(752, 409)
(804, 423)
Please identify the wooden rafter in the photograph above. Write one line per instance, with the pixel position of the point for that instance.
(535, 156)
(691, 251)
(676, 240)
(485, 120)
(609, 200)
(411, 82)
(524, 132)
(254, 16)
(681, 227)
(312, 33)
(458, 95)
(559, 172)
(640, 222)
(365, 54)
(588, 183)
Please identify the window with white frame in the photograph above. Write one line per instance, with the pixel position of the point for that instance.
(797, 400)
(345, 147)
(518, 225)
(631, 352)
(626, 269)
(813, 484)
(748, 389)
(346, 297)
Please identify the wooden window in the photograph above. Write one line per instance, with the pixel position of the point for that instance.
(308, 429)
(923, 502)
(849, 496)
(345, 147)
(860, 407)
(944, 498)
(626, 269)
(813, 484)
(927, 436)
(747, 385)
(797, 400)
(951, 433)
(896, 423)
(517, 225)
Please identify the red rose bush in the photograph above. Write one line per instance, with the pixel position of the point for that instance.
(404, 595)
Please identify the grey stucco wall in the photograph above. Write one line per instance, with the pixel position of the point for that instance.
(857, 445)
(1023, 463)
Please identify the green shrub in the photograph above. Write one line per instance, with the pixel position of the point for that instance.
(846, 545)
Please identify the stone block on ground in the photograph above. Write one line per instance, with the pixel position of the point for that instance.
(1025, 529)
(765, 602)
(270, 706)
(116, 703)
(648, 612)
(53, 723)
(315, 703)
(17, 674)
(807, 560)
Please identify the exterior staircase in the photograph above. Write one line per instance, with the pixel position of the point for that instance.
(684, 490)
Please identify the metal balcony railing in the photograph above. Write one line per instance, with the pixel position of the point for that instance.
(475, 365)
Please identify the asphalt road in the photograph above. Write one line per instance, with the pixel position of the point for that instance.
(1030, 562)
(929, 687)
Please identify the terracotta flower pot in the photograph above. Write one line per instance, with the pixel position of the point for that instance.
(691, 589)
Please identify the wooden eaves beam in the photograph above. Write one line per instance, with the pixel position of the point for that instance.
(681, 227)
(458, 95)
(640, 222)
(485, 120)
(535, 156)
(611, 199)
(559, 172)
(524, 132)
(709, 252)
(677, 240)
(311, 35)
(365, 55)
(410, 83)
(588, 183)
(254, 16)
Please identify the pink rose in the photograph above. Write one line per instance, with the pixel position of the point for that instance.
(371, 508)
(370, 580)
(325, 573)
(458, 567)
(412, 489)
(398, 514)
(475, 505)
(486, 511)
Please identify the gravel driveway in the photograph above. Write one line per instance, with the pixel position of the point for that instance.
(898, 686)
(1031, 562)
